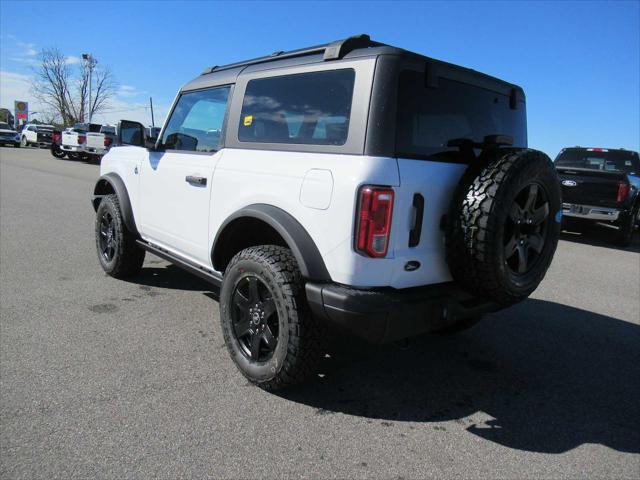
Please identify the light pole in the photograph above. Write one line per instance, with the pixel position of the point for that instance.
(92, 63)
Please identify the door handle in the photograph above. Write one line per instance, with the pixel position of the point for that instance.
(196, 180)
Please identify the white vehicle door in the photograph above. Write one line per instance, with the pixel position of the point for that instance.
(176, 180)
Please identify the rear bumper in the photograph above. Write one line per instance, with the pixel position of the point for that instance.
(589, 212)
(96, 151)
(72, 148)
(386, 314)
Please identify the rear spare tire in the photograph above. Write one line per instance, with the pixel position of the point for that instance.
(503, 225)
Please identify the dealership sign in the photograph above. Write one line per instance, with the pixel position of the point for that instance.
(22, 110)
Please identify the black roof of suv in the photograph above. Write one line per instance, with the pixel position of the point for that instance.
(358, 46)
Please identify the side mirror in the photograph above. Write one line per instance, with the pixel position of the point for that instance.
(131, 133)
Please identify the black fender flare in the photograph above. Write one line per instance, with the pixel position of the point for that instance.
(293, 233)
(118, 186)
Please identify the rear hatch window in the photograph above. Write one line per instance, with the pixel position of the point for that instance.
(600, 159)
(430, 117)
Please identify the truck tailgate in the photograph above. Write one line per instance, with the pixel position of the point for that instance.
(70, 139)
(95, 140)
(590, 187)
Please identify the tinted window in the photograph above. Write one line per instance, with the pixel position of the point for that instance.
(611, 161)
(308, 108)
(130, 134)
(428, 118)
(196, 122)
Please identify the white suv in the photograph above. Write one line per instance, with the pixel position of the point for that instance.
(39, 135)
(353, 185)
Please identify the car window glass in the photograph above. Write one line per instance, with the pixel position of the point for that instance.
(611, 160)
(307, 108)
(430, 117)
(197, 120)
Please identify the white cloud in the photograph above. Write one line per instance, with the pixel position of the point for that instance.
(15, 86)
(28, 49)
(71, 60)
(122, 109)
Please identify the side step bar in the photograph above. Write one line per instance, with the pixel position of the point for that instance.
(207, 274)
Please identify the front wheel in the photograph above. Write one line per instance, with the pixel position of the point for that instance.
(268, 329)
(118, 253)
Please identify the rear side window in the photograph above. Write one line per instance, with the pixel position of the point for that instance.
(428, 118)
(308, 108)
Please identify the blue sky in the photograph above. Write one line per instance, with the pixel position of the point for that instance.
(579, 62)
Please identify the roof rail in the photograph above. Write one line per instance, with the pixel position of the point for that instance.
(331, 51)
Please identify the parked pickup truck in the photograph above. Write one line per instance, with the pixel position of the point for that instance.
(99, 143)
(601, 185)
(74, 140)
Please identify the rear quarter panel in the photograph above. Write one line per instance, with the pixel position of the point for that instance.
(246, 177)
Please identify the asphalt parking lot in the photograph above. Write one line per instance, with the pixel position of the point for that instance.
(107, 378)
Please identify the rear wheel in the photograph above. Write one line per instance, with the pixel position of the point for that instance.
(504, 225)
(57, 152)
(628, 226)
(267, 326)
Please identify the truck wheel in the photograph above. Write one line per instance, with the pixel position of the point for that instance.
(504, 224)
(627, 227)
(118, 253)
(267, 326)
(57, 152)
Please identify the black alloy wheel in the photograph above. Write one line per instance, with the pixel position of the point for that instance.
(525, 229)
(107, 239)
(255, 319)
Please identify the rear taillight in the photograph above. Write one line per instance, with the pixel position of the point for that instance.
(623, 191)
(107, 141)
(56, 137)
(81, 139)
(375, 211)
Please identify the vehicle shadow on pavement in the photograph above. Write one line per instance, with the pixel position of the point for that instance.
(550, 377)
(169, 276)
(599, 237)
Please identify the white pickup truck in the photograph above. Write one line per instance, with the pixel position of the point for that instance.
(99, 143)
(74, 140)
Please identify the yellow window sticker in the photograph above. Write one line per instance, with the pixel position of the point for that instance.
(248, 120)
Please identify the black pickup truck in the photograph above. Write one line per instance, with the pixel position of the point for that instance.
(601, 185)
